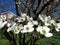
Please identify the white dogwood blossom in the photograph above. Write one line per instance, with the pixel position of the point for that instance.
(2, 24)
(29, 18)
(21, 19)
(46, 19)
(42, 17)
(44, 30)
(18, 29)
(12, 27)
(27, 28)
(23, 14)
(3, 17)
(52, 21)
(26, 24)
(10, 16)
(57, 27)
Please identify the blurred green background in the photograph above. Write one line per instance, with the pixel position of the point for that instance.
(55, 40)
(3, 41)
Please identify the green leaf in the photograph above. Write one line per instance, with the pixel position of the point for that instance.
(48, 41)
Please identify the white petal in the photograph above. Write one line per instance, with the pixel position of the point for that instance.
(46, 28)
(57, 29)
(49, 17)
(24, 31)
(41, 17)
(3, 24)
(35, 22)
(39, 28)
(9, 29)
(10, 16)
(23, 14)
(31, 30)
(47, 24)
(58, 24)
(30, 23)
(29, 18)
(48, 34)
(52, 21)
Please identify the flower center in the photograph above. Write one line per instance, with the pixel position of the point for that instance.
(27, 28)
(43, 31)
(28, 19)
(18, 28)
(47, 21)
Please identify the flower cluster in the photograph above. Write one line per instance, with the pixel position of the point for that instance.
(26, 24)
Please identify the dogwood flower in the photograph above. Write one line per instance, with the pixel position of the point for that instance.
(53, 21)
(12, 27)
(2, 24)
(29, 18)
(46, 19)
(18, 29)
(10, 16)
(57, 27)
(27, 28)
(3, 17)
(23, 14)
(21, 19)
(42, 17)
(15, 28)
(44, 30)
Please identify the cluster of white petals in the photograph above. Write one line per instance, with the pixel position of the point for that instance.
(27, 28)
(46, 19)
(57, 27)
(25, 24)
(44, 30)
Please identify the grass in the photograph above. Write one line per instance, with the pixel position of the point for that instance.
(3, 41)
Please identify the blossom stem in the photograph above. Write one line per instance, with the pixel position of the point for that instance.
(23, 41)
(12, 40)
(20, 37)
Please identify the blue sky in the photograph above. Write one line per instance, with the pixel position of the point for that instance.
(10, 3)
(11, 6)
(56, 14)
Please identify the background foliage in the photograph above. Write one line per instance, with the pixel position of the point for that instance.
(55, 40)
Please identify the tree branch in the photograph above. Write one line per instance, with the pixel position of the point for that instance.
(39, 1)
(16, 7)
(43, 7)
